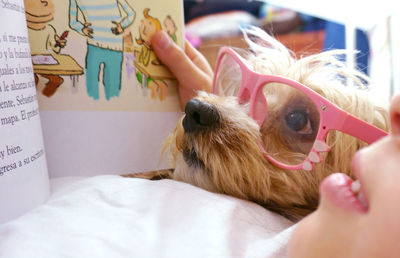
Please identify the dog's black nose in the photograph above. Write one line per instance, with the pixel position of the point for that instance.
(199, 115)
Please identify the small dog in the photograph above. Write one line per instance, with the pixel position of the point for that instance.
(215, 146)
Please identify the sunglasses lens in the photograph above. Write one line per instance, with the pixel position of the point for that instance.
(228, 77)
(291, 123)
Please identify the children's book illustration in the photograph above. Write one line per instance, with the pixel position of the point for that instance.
(96, 55)
(170, 27)
(148, 66)
(103, 24)
(47, 45)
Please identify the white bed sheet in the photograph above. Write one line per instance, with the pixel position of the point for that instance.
(111, 216)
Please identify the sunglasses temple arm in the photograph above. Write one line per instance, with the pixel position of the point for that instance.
(361, 130)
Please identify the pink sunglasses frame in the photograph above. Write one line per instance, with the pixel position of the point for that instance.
(332, 117)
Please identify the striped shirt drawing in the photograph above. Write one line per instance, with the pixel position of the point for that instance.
(101, 14)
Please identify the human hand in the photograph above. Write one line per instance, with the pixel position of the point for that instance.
(118, 29)
(190, 67)
(87, 30)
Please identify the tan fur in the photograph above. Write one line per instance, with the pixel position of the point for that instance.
(233, 163)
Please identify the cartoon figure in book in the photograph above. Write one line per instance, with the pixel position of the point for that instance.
(146, 61)
(43, 38)
(129, 54)
(102, 23)
(129, 57)
(170, 27)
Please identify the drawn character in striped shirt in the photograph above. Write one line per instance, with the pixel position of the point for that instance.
(102, 22)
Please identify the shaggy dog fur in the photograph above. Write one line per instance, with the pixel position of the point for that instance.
(225, 157)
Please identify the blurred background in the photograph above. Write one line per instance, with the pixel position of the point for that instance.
(306, 27)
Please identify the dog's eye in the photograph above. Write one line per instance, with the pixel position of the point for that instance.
(298, 121)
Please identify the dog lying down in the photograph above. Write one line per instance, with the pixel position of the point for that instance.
(273, 128)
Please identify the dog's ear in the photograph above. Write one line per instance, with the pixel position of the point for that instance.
(395, 115)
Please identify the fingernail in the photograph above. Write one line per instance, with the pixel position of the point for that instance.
(162, 40)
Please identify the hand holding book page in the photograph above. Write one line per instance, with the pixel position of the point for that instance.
(23, 172)
(115, 103)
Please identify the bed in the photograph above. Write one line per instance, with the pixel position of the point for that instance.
(112, 216)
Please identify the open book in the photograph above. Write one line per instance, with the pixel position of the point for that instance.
(103, 102)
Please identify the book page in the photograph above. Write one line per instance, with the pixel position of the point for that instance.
(108, 104)
(23, 172)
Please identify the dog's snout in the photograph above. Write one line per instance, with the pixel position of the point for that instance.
(199, 115)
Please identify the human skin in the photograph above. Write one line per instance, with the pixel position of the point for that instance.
(189, 66)
(342, 226)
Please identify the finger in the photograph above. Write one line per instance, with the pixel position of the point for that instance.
(179, 63)
(116, 23)
(87, 24)
(395, 115)
(197, 58)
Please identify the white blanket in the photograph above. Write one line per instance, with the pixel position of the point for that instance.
(111, 216)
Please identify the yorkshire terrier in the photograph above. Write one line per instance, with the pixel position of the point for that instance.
(269, 133)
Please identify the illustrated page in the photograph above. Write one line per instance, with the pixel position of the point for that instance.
(107, 103)
(23, 172)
